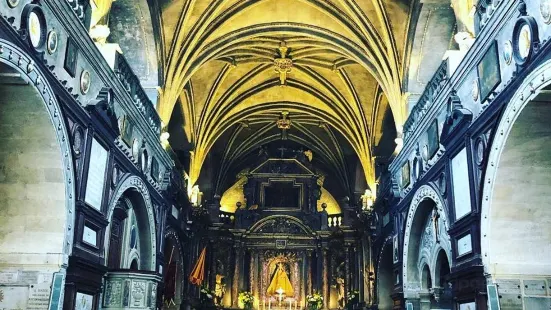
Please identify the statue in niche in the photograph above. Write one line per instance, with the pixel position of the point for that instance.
(341, 295)
(435, 218)
(219, 289)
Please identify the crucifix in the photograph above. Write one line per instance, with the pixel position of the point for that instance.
(282, 149)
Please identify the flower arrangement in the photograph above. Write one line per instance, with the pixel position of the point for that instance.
(246, 299)
(315, 301)
(352, 296)
(206, 293)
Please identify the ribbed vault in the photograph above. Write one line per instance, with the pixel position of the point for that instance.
(343, 73)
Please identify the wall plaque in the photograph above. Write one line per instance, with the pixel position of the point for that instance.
(90, 236)
(84, 301)
(461, 186)
(464, 245)
(96, 175)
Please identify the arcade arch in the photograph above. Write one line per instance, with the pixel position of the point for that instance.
(36, 176)
(516, 202)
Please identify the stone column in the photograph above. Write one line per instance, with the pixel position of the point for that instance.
(325, 280)
(308, 272)
(236, 275)
(261, 262)
(347, 278)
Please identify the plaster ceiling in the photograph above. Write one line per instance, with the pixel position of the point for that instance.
(345, 73)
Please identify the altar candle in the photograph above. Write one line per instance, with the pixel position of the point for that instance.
(289, 304)
(269, 303)
(264, 303)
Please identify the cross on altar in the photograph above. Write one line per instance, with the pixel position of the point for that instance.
(282, 150)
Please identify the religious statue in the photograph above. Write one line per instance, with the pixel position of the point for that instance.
(341, 295)
(280, 284)
(219, 289)
(435, 218)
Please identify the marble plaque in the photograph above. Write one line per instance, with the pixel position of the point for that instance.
(464, 245)
(14, 297)
(510, 302)
(96, 175)
(535, 287)
(461, 187)
(39, 297)
(467, 306)
(84, 301)
(8, 277)
(537, 303)
(508, 286)
(90, 236)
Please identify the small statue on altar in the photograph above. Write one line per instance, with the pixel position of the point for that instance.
(219, 289)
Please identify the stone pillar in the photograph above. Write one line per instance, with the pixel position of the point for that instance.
(347, 278)
(325, 280)
(261, 262)
(236, 275)
(308, 272)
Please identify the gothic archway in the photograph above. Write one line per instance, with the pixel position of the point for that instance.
(173, 271)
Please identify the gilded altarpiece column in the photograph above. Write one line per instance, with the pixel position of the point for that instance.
(236, 275)
(325, 280)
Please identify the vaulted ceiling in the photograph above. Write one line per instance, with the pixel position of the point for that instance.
(232, 67)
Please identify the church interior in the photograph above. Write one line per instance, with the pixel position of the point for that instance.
(275, 154)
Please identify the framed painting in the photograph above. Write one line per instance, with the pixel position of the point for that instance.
(489, 75)
(433, 139)
(71, 54)
(405, 175)
(127, 130)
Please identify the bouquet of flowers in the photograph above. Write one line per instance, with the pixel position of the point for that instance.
(352, 296)
(315, 301)
(246, 299)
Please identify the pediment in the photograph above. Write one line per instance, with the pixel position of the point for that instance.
(275, 166)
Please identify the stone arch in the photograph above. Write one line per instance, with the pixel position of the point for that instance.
(385, 276)
(136, 187)
(522, 131)
(16, 59)
(45, 210)
(424, 201)
(175, 257)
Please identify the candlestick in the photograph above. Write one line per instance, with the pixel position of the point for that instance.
(269, 303)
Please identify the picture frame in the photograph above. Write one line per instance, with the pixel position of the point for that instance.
(433, 139)
(489, 74)
(405, 175)
(395, 249)
(127, 131)
(71, 54)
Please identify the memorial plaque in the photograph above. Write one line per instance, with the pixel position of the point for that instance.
(96, 175)
(28, 277)
(90, 236)
(464, 245)
(84, 301)
(17, 297)
(461, 186)
(8, 277)
(39, 297)
(510, 301)
(535, 287)
(508, 286)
